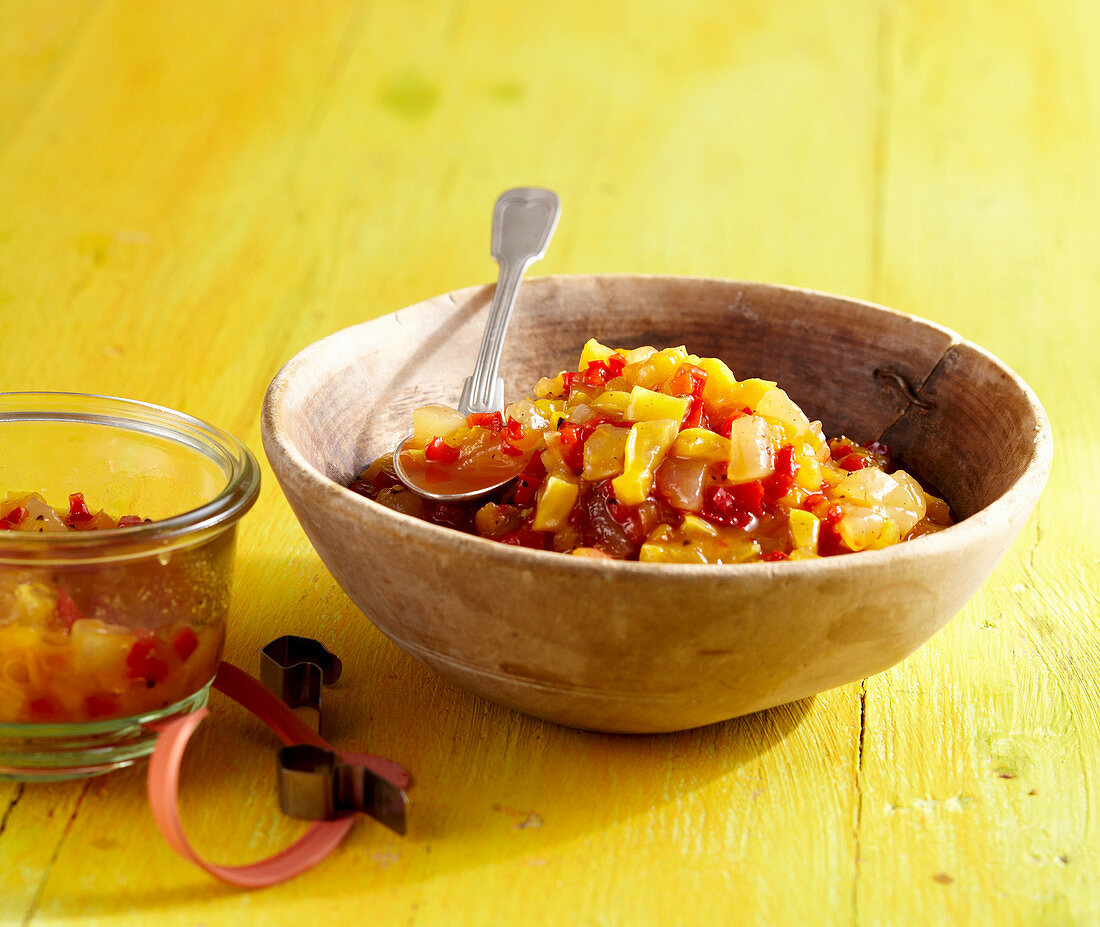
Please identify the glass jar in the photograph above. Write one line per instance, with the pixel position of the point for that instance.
(105, 633)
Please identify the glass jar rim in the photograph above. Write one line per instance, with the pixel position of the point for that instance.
(242, 470)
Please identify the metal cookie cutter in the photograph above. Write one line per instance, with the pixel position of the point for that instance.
(317, 784)
(297, 668)
(314, 782)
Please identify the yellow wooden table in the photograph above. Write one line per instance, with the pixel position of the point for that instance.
(191, 192)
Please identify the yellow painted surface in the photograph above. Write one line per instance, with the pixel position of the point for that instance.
(191, 192)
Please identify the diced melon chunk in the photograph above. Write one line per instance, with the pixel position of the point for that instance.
(720, 381)
(653, 371)
(604, 452)
(555, 502)
(869, 486)
(645, 405)
(867, 529)
(101, 649)
(637, 355)
(611, 400)
(897, 493)
(775, 404)
(749, 392)
(593, 351)
(701, 444)
(808, 476)
(435, 422)
(695, 527)
(536, 414)
(752, 456)
(33, 603)
(804, 529)
(646, 447)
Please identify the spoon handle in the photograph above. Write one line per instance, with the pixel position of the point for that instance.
(524, 220)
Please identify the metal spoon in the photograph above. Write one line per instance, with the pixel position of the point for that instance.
(524, 220)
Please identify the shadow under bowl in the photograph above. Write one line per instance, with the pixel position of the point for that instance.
(630, 647)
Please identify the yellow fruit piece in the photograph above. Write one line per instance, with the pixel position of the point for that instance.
(721, 548)
(721, 383)
(749, 392)
(752, 456)
(555, 502)
(611, 400)
(604, 452)
(695, 527)
(646, 446)
(33, 603)
(804, 529)
(776, 405)
(435, 422)
(645, 405)
(677, 355)
(701, 444)
(808, 475)
(653, 371)
(593, 351)
(637, 355)
(803, 554)
(866, 529)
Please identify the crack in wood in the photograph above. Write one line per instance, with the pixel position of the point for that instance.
(859, 799)
(32, 908)
(11, 807)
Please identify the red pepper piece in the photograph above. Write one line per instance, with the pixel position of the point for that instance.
(143, 663)
(14, 518)
(185, 643)
(750, 496)
(494, 421)
(79, 513)
(779, 483)
(877, 447)
(813, 500)
(572, 446)
(511, 432)
(596, 374)
(528, 482)
(722, 506)
(44, 709)
(100, 706)
(438, 451)
(568, 377)
(726, 424)
(688, 380)
(65, 611)
(128, 521)
(829, 542)
(773, 555)
(854, 462)
(525, 537)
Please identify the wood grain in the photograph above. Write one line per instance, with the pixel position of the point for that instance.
(190, 193)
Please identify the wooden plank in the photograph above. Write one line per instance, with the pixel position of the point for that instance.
(981, 752)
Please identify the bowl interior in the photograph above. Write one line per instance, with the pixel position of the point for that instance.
(954, 415)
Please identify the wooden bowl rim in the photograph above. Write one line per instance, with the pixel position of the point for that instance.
(991, 520)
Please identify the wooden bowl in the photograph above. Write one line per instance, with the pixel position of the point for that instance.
(659, 647)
